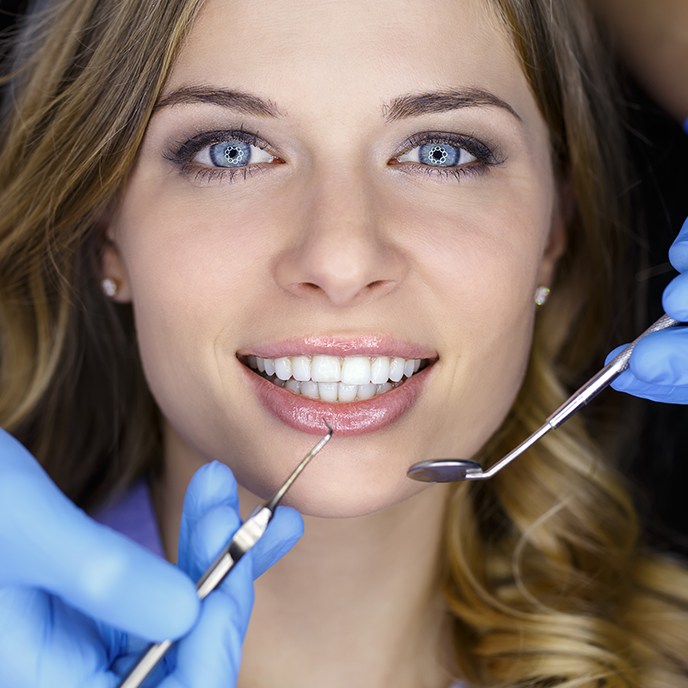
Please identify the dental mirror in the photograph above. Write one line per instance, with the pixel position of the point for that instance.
(446, 470)
(455, 470)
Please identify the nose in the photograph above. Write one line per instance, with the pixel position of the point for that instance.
(341, 251)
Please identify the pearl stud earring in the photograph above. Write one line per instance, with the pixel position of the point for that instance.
(541, 295)
(110, 287)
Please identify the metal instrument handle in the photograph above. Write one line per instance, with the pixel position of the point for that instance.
(604, 377)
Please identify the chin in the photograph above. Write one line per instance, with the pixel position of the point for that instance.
(324, 491)
(343, 506)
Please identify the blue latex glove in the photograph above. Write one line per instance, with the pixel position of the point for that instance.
(76, 598)
(658, 368)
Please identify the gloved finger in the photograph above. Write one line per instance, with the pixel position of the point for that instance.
(206, 537)
(661, 358)
(675, 298)
(212, 532)
(212, 486)
(209, 521)
(658, 368)
(128, 657)
(282, 534)
(625, 381)
(210, 656)
(678, 253)
(47, 542)
(667, 394)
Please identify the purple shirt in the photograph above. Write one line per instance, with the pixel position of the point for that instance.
(132, 515)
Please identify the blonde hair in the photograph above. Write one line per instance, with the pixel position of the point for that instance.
(544, 576)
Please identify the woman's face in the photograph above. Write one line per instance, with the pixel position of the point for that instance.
(344, 189)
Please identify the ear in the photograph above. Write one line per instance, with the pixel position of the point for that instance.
(556, 241)
(112, 266)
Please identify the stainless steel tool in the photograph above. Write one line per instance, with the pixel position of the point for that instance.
(454, 470)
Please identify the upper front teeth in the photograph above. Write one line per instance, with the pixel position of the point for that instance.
(350, 370)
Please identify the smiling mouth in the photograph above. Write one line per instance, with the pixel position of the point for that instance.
(336, 379)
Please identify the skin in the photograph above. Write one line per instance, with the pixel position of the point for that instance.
(338, 237)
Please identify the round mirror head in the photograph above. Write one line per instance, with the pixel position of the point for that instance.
(445, 470)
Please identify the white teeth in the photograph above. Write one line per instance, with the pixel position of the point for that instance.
(379, 370)
(325, 369)
(328, 391)
(356, 370)
(366, 391)
(347, 392)
(396, 369)
(333, 379)
(310, 389)
(282, 368)
(301, 368)
(293, 386)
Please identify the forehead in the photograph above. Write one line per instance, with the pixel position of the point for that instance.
(336, 56)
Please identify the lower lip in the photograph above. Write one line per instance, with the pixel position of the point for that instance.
(356, 418)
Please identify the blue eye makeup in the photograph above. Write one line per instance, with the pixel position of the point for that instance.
(437, 155)
(215, 155)
(444, 154)
(219, 155)
(232, 153)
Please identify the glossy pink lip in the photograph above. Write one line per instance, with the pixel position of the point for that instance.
(367, 345)
(355, 418)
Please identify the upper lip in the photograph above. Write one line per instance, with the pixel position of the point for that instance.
(329, 345)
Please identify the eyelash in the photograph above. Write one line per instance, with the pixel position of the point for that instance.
(182, 155)
(485, 158)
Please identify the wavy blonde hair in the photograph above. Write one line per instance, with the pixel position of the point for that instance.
(545, 577)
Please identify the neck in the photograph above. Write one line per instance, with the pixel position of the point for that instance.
(355, 603)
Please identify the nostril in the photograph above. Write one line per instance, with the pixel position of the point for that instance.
(380, 284)
(305, 289)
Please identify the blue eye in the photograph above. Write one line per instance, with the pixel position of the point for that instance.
(231, 153)
(438, 154)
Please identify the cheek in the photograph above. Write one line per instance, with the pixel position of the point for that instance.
(481, 263)
(190, 259)
(188, 277)
(480, 251)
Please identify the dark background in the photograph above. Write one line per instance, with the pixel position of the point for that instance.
(658, 466)
(656, 457)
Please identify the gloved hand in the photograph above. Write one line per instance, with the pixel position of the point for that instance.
(77, 599)
(658, 367)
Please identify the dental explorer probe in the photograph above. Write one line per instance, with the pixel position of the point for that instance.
(454, 470)
(242, 541)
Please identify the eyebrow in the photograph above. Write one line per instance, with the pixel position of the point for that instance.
(401, 107)
(415, 104)
(241, 101)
